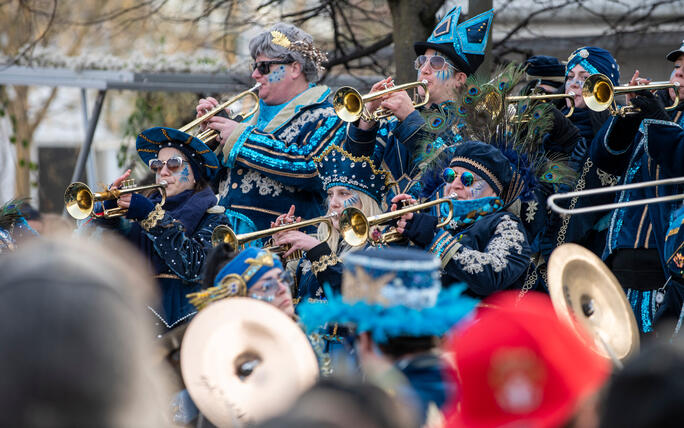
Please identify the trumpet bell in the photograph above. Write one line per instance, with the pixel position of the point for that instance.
(348, 104)
(78, 200)
(354, 226)
(598, 92)
(585, 292)
(223, 234)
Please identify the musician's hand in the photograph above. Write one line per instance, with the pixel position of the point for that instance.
(224, 126)
(298, 241)
(124, 201)
(403, 220)
(286, 218)
(204, 106)
(116, 183)
(371, 106)
(399, 103)
(635, 80)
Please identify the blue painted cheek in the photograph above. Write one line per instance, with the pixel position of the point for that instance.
(277, 74)
(350, 202)
(185, 175)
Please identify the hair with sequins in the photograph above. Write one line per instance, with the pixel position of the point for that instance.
(263, 45)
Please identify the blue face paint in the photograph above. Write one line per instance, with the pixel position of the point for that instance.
(184, 174)
(445, 74)
(277, 74)
(477, 189)
(351, 201)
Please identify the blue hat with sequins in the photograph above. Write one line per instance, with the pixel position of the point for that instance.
(337, 167)
(463, 43)
(391, 292)
(595, 60)
(202, 158)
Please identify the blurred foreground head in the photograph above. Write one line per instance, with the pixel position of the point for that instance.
(519, 365)
(75, 339)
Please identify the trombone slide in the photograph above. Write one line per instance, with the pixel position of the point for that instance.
(552, 200)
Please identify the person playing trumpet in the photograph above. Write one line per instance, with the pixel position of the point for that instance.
(445, 63)
(175, 236)
(266, 160)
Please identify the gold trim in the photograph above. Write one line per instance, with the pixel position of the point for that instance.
(648, 233)
(324, 263)
(335, 147)
(481, 167)
(153, 217)
(262, 210)
(270, 171)
(166, 276)
(641, 224)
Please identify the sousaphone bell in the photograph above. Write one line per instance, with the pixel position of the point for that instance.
(585, 292)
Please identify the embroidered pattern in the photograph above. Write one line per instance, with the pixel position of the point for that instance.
(153, 217)
(323, 263)
(266, 186)
(310, 116)
(531, 211)
(507, 237)
(606, 178)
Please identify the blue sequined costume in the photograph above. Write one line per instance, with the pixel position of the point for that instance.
(269, 166)
(657, 152)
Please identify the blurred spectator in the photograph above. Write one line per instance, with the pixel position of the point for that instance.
(74, 337)
(521, 366)
(648, 392)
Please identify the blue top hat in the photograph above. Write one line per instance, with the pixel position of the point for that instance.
(391, 292)
(463, 43)
(337, 167)
(202, 159)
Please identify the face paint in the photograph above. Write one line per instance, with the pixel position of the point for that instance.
(351, 201)
(445, 74)
(184, 175)
(277, 74)
(477, 189)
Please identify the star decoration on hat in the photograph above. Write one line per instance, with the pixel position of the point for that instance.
(468, 37)
(359, 285)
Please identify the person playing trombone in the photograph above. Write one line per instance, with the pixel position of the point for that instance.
(445, 63)
(266, 160)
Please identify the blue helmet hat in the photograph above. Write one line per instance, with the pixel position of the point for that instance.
(202, 159)
(463, 43)
(595, 60)
(547, 69)
(337, 167)
(672, 56)
(391, 292)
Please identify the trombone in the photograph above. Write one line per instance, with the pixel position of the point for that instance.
(355, 225)
(349, 104)
(80, 200)
(599, 93)
(552, 200)
(544, 98)
(209, 135)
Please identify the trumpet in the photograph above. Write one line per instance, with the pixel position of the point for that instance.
(544, 98)
(552, 200)
(355, 225)
(349, 104)
(209, 135)
(599, 93)
(80, 200)
(224, 234)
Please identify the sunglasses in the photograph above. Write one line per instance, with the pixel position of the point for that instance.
(264, 67)
(467, 177)
(173, 164)
(437, 62)
(268, 289)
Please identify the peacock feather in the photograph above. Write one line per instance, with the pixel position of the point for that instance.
(10, 213)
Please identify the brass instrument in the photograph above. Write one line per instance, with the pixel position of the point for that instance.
(355, 224)
(349, 104)
(552, 200)
(80, 200)
(544, 98)
(209, 135)
(586, 294)
(599, 94)
(224, 234)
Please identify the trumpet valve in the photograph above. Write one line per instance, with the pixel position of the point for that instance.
(127, 184)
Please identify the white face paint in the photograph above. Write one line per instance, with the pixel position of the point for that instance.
(339, 198)
(574, 82)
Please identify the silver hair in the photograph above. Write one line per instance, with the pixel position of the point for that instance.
(262, 45)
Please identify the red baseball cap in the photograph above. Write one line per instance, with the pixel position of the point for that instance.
(520, 366)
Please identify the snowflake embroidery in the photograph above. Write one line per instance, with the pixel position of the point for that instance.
(606, 178)
(507, 237)
(224, 188)
(266, 186)
(306, 266)
(531, 211)
(310, 116)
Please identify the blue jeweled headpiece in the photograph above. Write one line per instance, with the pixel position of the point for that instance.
(463, 43)
(337, 167)
(594, 60)
(391, 292)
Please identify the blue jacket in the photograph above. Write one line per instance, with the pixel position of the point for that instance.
(270, 167)
(393, 145)
(657, 152)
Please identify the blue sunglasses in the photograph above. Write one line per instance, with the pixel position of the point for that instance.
(467, 177)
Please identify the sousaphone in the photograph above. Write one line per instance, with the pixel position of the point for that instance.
(585, 292)
(244, 361)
